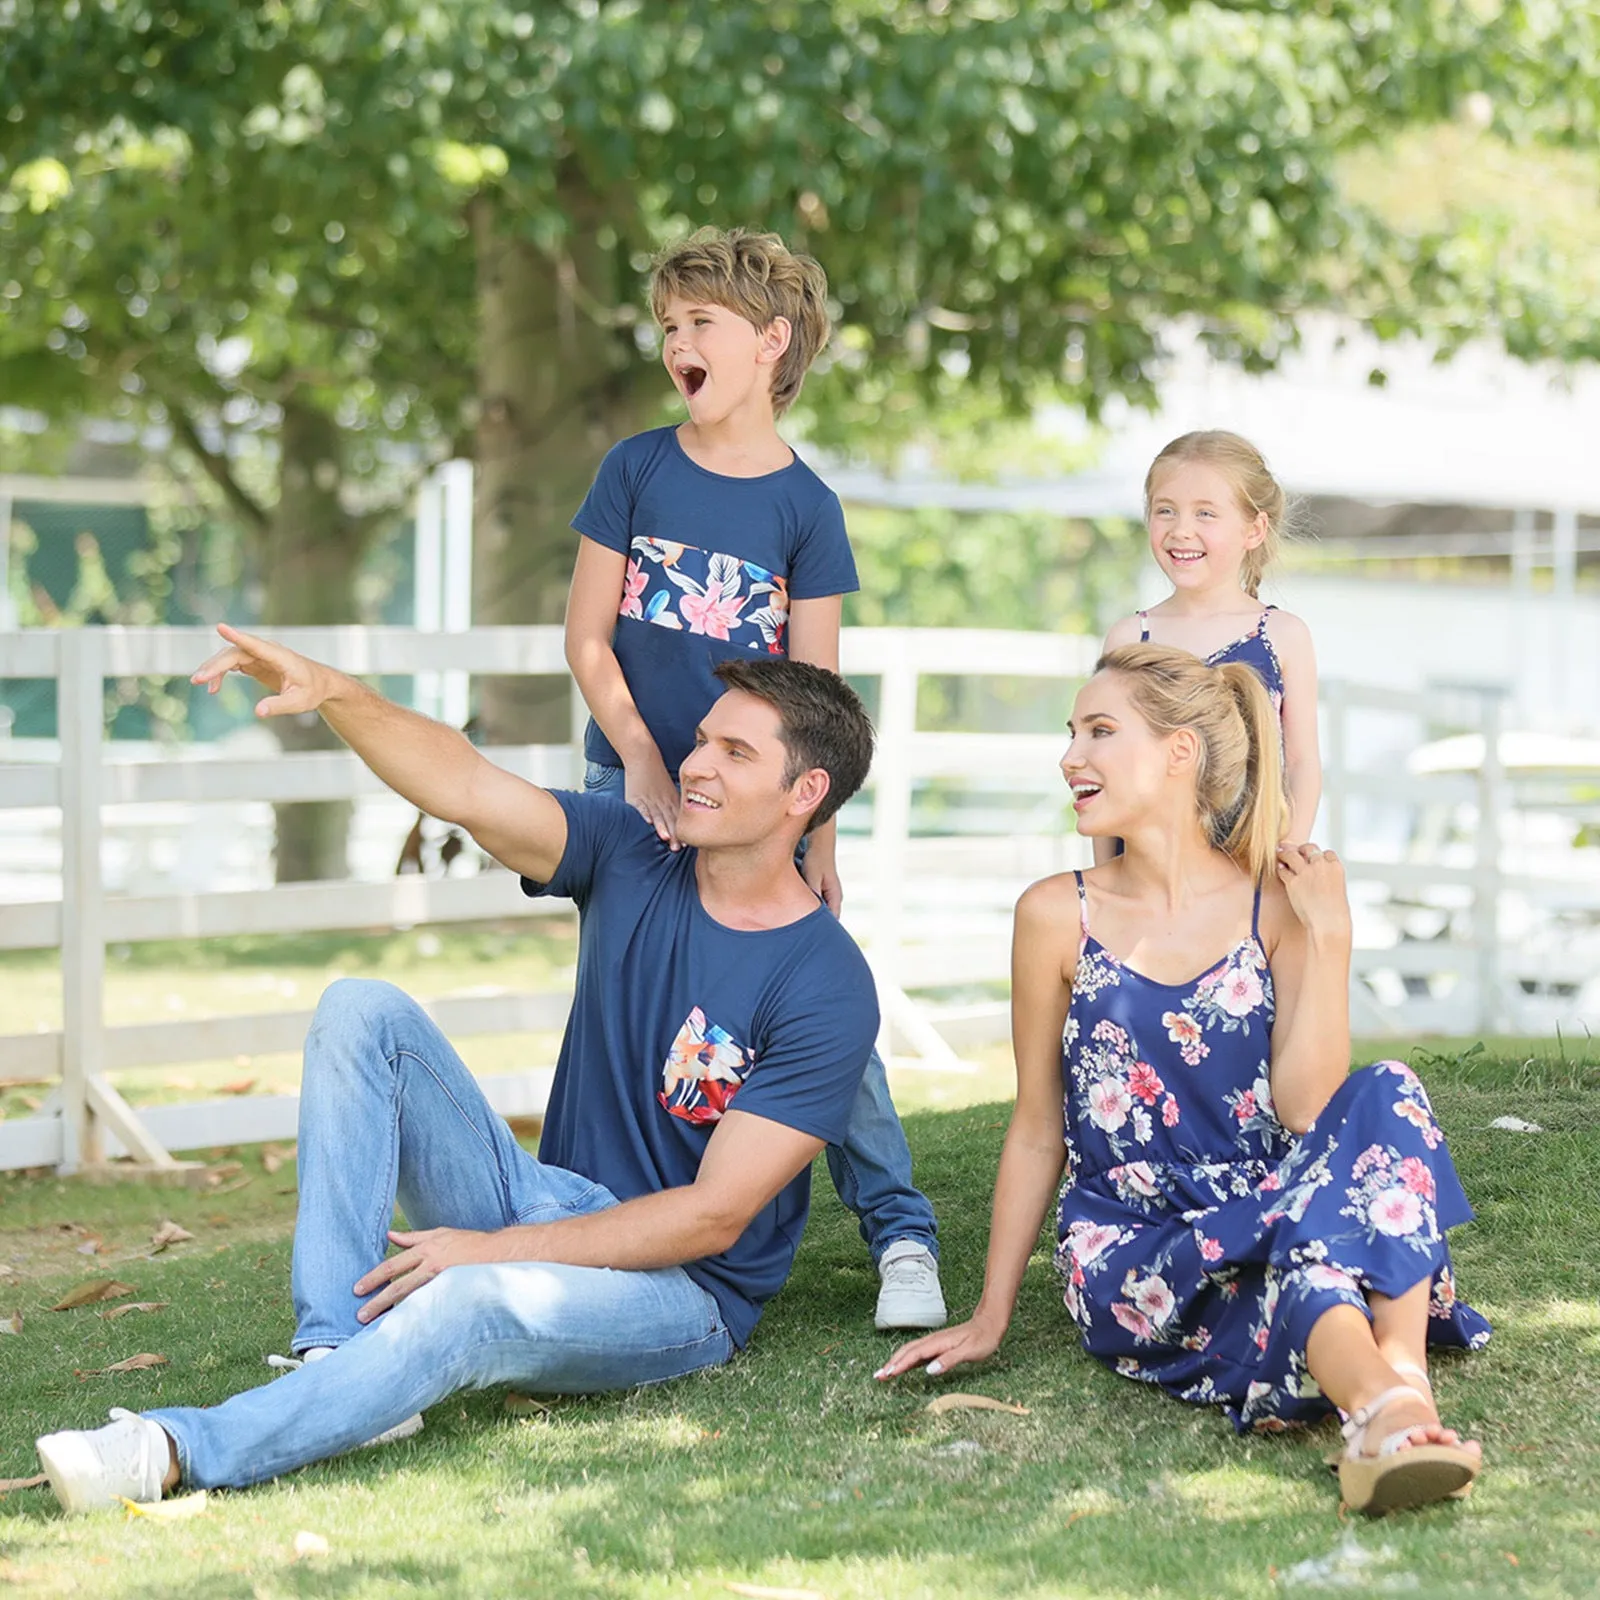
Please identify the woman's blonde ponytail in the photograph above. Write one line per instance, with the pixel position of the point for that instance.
(1239, 773)
(1262, 818)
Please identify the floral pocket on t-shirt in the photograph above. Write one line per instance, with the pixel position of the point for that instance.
(704, 1070)
(702, 591)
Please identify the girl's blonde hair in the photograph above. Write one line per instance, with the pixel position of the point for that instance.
(1239, 775)
(1253, 483)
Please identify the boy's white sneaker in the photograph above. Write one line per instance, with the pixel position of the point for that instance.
(910, 1296)
(95, 1468)
(401, 1430)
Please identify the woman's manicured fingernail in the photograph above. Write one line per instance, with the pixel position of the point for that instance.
(935, 1368)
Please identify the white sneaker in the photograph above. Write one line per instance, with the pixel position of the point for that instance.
(401, 1430)
(93, 1469)
(910, 1296)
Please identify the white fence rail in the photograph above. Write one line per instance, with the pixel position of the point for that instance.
(934, 910)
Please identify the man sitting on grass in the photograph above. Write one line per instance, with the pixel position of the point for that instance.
(720, 1024)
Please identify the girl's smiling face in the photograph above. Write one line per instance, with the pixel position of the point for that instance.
(1199, 529)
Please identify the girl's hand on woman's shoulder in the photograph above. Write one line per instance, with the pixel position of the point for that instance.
(1313, 879)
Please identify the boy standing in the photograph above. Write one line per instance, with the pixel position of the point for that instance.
(704, 543)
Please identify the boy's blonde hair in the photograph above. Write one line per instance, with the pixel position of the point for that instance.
(1239, 775)
(759, 277)
(1253, 484)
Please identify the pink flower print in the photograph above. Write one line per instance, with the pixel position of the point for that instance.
(1246, 1105)
(1210, 1249)
(1087, 1242)
(1154, 1298)
(1443, 1299)
(1420, 1117)
(1414, 1174)
(1138, 1177)
(711, 614)
(1143, 1082)
(1181, 1028)
(1169, 1112)
(1134, 1321)
(633, 586)
(1373, 1156)
(1109, 1103)
(1240, 991)
(1395, 1211)
(1107, 1032)
(1261, 1337)
(1269, 1184)
(1321, 1277)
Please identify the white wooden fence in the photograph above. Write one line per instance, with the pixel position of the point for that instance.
(934, 911)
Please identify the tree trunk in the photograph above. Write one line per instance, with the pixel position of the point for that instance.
(309, 558)
(558, 384)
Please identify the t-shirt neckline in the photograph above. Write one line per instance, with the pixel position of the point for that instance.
(726, 477)
(743, 933)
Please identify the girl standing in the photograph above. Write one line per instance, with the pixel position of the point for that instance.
(1216, 516)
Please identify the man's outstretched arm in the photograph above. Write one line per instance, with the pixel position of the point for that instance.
(429, 764)
(748, 1161)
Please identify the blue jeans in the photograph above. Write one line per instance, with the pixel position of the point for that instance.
(387, 1109)
(871, 1167)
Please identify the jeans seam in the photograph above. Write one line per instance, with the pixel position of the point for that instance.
(488, 1144)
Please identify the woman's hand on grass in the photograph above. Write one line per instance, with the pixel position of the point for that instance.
(939, 1352)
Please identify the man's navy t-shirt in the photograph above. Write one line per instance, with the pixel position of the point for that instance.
(676, 1017)
(713, 563)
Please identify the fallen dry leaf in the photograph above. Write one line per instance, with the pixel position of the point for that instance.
(273, 1157)
(95, 1289)
(8, 1484)
(11, 1324)
(90, 1246)
(223, 1169)
(7, 1272)
(132, 1364)
(759, 1591)
(238, 1183)
(308, 1544)
(524, 1405)
(114, 1312)
(186, 1505)
(973, 1402)
(238, 1086)
(168, 1233)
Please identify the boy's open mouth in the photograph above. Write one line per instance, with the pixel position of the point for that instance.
(693, 379)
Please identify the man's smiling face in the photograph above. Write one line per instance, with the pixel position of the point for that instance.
(732, 788)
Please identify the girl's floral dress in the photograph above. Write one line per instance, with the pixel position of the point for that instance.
(1199, 1240)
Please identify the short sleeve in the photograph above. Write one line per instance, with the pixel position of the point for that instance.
(822, 562)
(808, 1069)
(606, 515)
(599, 826)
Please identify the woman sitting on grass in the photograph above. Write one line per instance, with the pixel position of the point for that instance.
(1243, 1220)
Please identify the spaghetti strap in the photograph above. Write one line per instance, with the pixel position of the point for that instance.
(1083, 908)
(1261, 621)
(1144, 638)
(1255, 917)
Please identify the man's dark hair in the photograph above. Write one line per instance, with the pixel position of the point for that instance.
(821, 721)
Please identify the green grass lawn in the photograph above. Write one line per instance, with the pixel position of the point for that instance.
(791, 1470)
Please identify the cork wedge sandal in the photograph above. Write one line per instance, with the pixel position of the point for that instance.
(1398, 1474)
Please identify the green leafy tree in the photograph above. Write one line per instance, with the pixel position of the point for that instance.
(1012, 200)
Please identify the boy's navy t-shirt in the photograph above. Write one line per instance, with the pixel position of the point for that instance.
(713, 563)
(676, 1017)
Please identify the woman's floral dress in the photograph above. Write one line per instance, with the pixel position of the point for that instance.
(1199, 1240)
